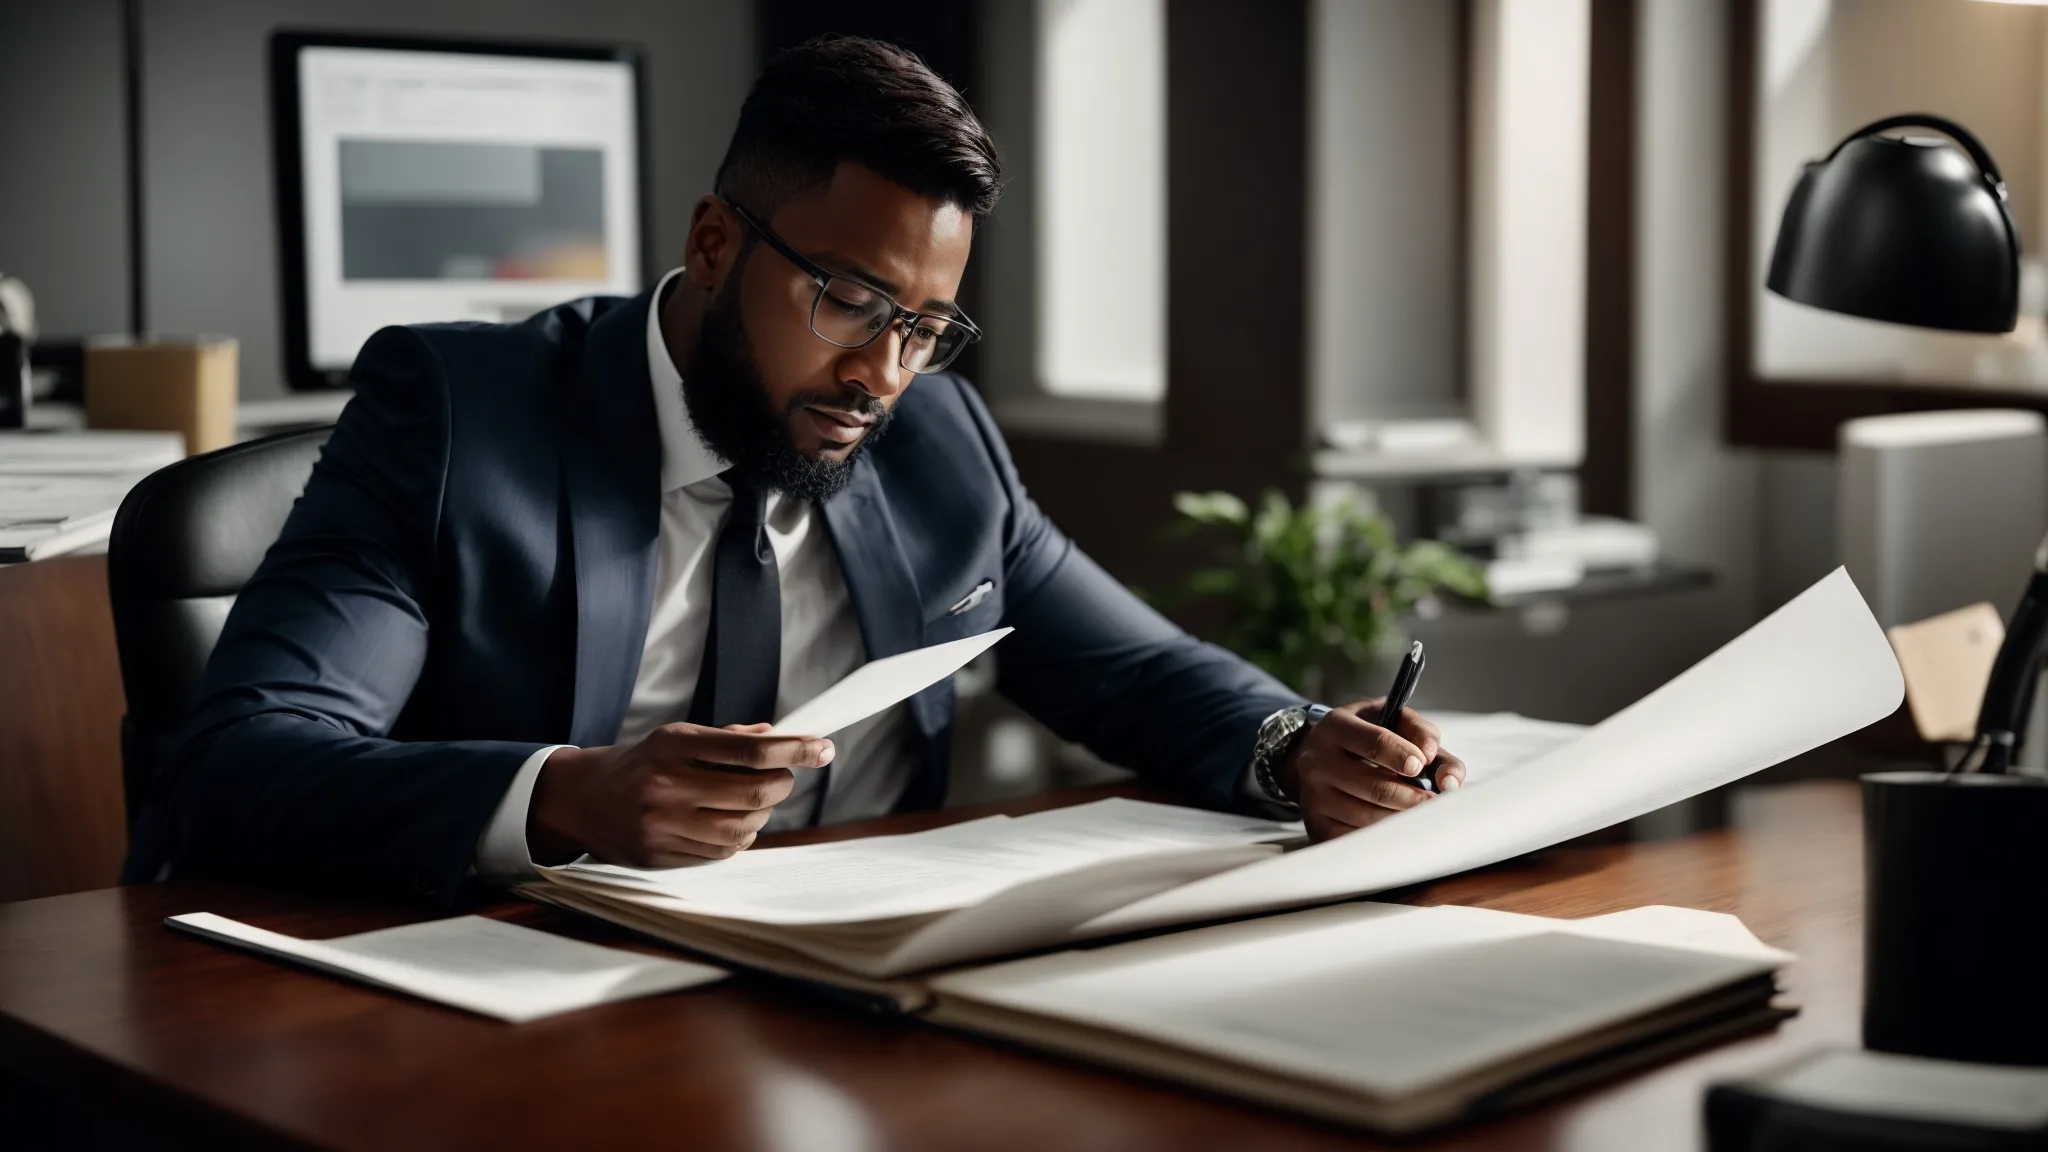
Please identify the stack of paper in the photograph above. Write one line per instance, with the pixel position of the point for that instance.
(59, 491)
(864, 914)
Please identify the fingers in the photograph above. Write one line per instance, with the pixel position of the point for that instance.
(1329, 811)
(740, 749)
(755, 791)
(670, 835)
(1374, 744)
(1450, 773)
(726, 829)
(676, 851)
(1376, 787)
(1420, 732)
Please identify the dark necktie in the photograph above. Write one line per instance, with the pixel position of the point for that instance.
(743, 647)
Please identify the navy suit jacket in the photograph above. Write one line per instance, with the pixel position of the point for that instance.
(468, 575)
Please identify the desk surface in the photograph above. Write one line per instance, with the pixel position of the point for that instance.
(99, 1001)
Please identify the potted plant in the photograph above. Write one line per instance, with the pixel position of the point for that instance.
(1317, 594)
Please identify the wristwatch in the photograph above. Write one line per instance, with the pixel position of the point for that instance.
(1278, 735)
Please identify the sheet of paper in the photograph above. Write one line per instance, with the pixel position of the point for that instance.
(946, 868)
(1493, 744)
(1815, 670)
(1673, 927)
(880, 683)
(1383, 998)
(472, 962)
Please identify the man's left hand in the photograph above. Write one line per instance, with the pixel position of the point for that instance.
(1349, 772)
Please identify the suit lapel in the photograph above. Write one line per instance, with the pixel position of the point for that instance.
(886, 602)
(612, 475)
(877, 572)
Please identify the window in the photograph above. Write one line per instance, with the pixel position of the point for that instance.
(1421, 361)
(1074, 276)
(1101, 143)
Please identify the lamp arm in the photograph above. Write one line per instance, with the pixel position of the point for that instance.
(2009, 695)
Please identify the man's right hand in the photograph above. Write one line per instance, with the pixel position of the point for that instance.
(685, 793)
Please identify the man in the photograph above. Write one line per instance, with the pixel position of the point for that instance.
(549, 580)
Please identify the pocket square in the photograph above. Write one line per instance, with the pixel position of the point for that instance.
(979, 594)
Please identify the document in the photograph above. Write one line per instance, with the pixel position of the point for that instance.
(471, 962)
(879, 684)
(948, 868)
(1815, 670)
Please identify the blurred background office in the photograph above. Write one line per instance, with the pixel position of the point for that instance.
(1489, 268)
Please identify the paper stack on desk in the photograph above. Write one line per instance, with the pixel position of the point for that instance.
(59, 491)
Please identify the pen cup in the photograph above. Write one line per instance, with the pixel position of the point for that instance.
(1956, 916)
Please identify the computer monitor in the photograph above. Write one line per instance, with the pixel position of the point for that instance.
(422, 180)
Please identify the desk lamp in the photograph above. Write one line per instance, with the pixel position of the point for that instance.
(1914, 231)
(1918, 231)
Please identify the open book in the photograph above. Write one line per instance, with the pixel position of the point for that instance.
(1385, 1016)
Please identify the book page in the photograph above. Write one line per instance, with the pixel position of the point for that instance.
(1815, 670)
(1383, 999)
(472, 962)
(882, 877)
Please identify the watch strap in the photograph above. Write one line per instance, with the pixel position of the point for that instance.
(1277, 737)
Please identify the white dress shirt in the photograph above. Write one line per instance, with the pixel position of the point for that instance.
(873, 761)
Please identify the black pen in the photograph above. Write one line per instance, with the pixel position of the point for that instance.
(1397, 698)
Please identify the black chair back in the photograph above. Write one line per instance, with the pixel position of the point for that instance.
(184, 542)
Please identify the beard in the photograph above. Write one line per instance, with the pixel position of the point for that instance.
(729, 403)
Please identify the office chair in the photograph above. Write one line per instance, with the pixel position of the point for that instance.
(185, 541)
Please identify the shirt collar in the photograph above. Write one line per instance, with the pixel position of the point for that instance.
(684, 458)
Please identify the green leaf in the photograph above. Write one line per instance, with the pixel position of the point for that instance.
(1315, 589)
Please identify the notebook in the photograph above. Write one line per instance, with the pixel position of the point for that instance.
(1385, 1016)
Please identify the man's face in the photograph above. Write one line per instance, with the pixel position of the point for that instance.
(764, 390)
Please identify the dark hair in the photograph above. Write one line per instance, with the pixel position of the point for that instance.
(839, 98)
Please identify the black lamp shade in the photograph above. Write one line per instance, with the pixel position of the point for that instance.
(1911, 231)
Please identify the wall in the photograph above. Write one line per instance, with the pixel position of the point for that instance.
(1385, 275)
(1700, 496)
(209, 224)
(63, 222)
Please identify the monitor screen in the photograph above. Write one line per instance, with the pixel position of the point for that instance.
(427, 183)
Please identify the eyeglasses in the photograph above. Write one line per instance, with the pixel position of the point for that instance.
(851, 314)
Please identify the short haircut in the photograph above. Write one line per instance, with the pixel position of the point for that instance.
(850, 98)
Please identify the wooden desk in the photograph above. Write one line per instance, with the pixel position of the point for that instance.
(99, 1002)
(63, 821)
